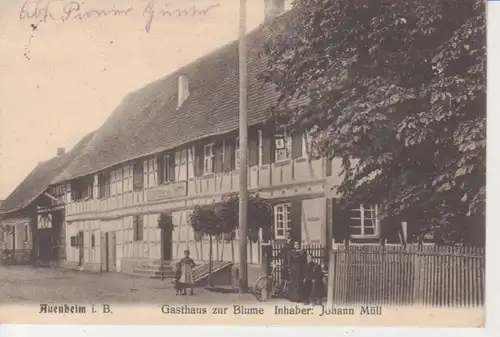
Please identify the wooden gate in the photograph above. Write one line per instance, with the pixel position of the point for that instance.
(317, 251)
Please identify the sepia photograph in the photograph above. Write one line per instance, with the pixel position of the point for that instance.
(316, 162)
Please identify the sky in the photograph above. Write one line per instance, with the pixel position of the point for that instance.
(63, 69)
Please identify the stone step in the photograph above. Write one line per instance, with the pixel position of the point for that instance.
(152, 268)
(157, 263)
(153, 273)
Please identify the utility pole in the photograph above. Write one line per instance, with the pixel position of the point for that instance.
(243, 151)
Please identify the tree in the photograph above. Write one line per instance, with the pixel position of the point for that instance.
(215, 220)
(204, 220)
(399, 86)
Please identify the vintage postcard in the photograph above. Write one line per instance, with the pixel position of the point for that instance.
(243, 162)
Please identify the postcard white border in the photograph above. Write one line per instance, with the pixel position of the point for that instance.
(493, 250)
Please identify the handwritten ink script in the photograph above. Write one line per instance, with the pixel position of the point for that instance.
(64, 11)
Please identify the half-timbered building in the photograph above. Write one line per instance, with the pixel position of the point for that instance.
(174, 144)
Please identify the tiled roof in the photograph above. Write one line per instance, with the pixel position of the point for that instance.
(148, 121)
(40, 178)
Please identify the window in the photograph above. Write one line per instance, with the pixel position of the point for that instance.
(169, 172)
(208, 159)
(138, 175)
(282, 220)
(237, 154)
(364, 221)
(138, 228)
(175, 167)
(74, 241)
(81, 189)
(2, 234)
(283, 146)
(92, 240)
(104, 182)
(26, 233)
(151, 171)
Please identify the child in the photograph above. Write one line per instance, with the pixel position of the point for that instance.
(178, 286)
(186, 279)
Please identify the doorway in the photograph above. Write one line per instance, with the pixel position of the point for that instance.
(166, 238)
(108, 250)
(80, 248)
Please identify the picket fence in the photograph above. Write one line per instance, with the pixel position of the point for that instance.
(414, 275)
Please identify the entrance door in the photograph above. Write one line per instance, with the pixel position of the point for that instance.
(80, 248)
(166, 238)
(110, 251)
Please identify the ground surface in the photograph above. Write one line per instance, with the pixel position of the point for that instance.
(28, 285)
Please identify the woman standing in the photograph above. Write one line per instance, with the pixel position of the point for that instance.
(186, 279)
(298, 262)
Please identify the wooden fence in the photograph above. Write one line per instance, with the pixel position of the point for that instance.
(415, 275)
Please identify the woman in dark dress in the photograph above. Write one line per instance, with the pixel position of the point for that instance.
(298, 261)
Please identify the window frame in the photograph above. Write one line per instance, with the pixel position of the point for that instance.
(210, 158)
(138, 185)
(286, 220)
(362, 228)
(104, 185)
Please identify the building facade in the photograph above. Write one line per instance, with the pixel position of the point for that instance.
(117, 210)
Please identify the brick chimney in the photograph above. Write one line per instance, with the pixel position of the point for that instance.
(182, 90)
(61, 151)
(273, 9)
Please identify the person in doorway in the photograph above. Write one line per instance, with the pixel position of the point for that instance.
(186, 279)
(298, 261)
(313, 287)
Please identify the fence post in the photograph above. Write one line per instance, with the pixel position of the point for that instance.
(331, 276)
